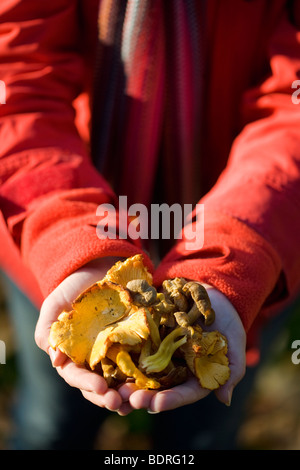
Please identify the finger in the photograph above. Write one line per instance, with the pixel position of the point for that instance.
(125, 409)
(79, 377)
(49, 312)
(110, 400)
(181, 395)
(125, 392)
(237, 365)
(127, 389)
(237, 372)
(141, 399)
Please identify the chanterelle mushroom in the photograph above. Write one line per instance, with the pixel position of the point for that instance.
(201, 306)
(142, 293)
(206, 356)
(130, 331)
(173, 289)
(160, 360)
(129, 270)
(75, 332)
(125, 363)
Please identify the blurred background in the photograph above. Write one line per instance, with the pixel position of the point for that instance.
(272, 420)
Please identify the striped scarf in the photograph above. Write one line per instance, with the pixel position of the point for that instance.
(146, 121)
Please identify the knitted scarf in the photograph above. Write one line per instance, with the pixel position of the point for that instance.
(147, 103)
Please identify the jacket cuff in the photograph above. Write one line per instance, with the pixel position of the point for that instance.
(234, 259)
(61, 236)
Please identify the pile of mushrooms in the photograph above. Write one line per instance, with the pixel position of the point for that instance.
(125, 329)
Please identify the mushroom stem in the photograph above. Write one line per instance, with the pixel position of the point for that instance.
(160, 360)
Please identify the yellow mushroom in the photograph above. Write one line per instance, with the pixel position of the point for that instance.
(123, 360)
(173, 290)
(75, 332)
(201, 306)
(206, 356)
(132, 331)
(129, 270)
(141, 292)
(160, 360)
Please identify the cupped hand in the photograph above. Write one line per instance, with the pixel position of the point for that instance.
(93, 387)
(228, 323)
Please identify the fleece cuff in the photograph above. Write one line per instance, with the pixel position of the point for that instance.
(234, 259)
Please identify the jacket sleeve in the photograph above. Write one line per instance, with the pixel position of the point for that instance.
(251, 216)
(49, 189)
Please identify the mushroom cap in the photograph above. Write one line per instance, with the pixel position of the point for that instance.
(130, 331)
(97, 307)
(211, 371)
(206, 356)
(142, 292)
(131, 269)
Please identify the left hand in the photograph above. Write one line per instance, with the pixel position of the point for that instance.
(92, 386)
(228, 322)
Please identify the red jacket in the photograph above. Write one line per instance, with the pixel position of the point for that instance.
(250, 158)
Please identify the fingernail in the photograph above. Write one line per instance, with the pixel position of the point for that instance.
(228, 402)
(153, 412)
(52, 355)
